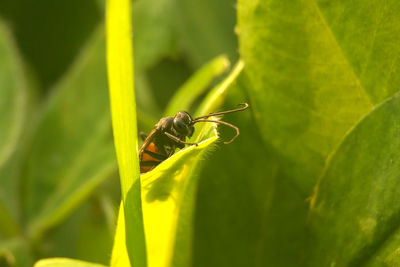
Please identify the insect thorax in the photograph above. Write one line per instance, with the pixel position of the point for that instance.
(165, 145)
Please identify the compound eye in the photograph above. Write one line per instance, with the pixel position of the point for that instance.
(180, 125)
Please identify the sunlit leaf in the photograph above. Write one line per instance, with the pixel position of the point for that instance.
(162, 195)
(63, 262)
(120, 255)
(168, 191)
(123, 112)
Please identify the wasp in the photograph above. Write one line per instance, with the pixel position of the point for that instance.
(171, 132)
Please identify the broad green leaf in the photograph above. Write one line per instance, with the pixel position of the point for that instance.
(388, 253)
(13, 109)
(196, 85)
(123, 113)
(71, 150)
(63, 262)
(313, 69)
(206, 29)
(355, 213)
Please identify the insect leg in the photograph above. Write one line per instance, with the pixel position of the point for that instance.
(179, 140)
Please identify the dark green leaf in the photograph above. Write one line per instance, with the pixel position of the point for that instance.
(247, 212)
(356, 209)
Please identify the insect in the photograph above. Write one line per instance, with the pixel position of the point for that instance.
(171, 132)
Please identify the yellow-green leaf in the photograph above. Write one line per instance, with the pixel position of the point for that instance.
(123, 112)
(64, 262)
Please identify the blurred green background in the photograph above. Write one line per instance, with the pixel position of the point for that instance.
(311, 181)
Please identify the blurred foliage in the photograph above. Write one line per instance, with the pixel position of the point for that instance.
(50, 34)
(311, 181)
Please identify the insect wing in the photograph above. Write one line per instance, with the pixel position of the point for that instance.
(146, 142)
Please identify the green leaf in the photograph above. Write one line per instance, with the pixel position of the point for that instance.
(119, 256)
(168, 190)
(388, 254)
(163, 191)
(71, 150)
(123, 112)
(313, 69)
(183, 239)
(246, 212)
(196, 85)
(355, 212)
(63, 262)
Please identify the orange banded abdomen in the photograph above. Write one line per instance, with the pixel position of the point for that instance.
(150, 158)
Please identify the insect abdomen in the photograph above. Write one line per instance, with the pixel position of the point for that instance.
(150, 158)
